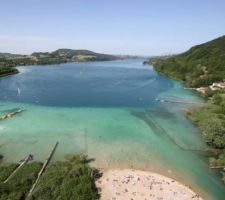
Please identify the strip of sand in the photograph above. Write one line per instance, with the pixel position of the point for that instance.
(130, 184)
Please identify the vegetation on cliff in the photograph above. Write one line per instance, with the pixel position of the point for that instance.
(200, 66)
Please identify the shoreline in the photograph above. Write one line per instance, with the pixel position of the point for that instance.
(158, 175)
(123, 184)
(9, 74)
(197, 125)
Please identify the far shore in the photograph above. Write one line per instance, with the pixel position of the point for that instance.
(131, 184)
(9, 74)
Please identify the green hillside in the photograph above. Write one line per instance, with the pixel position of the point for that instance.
(9, 61)
(200, 66)
(69, 55)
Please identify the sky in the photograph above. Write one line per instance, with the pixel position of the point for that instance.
(136, 27)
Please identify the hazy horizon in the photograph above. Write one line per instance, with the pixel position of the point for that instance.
(145, 28)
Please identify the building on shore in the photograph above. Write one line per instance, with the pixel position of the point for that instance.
(216, 86)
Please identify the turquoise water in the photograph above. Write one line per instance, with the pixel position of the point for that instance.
(107, 110)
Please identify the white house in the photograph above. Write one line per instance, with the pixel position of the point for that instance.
(216, 86)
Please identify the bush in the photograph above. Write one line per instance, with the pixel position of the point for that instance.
(62, 180)
(18, 186)
(72, 179)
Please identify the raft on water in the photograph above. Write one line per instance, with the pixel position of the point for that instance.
(10, 114)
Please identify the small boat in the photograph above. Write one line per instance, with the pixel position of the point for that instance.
(18, 91)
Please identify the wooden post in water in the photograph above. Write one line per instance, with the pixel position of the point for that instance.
(42, 169)
(85, 140)
(29, 157)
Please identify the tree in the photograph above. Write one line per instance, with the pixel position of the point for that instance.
(217, 99)
(214, 133)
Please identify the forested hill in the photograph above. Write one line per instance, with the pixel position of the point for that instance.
(68, 55)
(200, 66)
(55, 57)
(8, 61)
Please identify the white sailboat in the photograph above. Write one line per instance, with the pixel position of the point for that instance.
(18, 91)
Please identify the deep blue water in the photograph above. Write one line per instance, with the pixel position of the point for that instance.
(97, 84)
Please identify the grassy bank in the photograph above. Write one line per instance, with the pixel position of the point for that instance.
(62, 180)
(210, 119)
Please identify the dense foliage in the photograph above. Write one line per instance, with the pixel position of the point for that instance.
(70, 180)
(200, 66)
(17, 187)
(62, 180)
(211, 121)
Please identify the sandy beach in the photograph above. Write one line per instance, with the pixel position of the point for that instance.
(130, 184)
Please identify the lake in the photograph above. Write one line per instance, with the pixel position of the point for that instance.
(107, 110)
